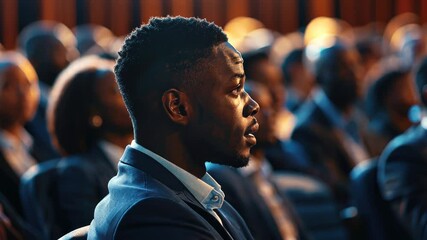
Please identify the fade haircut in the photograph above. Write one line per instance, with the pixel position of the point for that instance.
(168, 52)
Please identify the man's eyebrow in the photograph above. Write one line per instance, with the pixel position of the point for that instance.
(237, 59)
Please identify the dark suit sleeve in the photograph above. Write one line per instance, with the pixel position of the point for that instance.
(78, 196)
(160, 219)
(403, 181)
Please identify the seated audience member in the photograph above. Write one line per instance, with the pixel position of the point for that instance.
(284, 154)
(185, 95)
(19, 96)
(402, 170)
(298, 80)
(91, 127)
(388, 101)
(49, 46)
(260, 68)
(12, 227)
(251, 189)
(326, 127)
(92, 38)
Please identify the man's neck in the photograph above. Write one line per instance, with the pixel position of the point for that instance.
(172, 149)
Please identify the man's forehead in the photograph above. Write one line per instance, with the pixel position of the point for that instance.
(230, 53)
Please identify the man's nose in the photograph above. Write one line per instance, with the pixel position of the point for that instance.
(251, 107)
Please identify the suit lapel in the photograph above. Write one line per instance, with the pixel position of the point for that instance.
(151, 167)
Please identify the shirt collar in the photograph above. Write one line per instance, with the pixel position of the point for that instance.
(24, 139)
(206, 190)
(112, 151)
(330, 110)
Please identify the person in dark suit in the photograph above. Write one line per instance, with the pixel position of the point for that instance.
(252, 190)
(298, 80)
(388, 102)
(19, 95)
(12, 226)
(402, 170)
(183, 85)
(90, 126)
(326, 127)
(50, 46)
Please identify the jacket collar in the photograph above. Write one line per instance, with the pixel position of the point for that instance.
(151, 167)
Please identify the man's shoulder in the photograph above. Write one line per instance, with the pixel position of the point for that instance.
(413, 141)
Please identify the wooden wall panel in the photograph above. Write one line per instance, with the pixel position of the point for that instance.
(118, 24)
(182, 8)
(266, 13)
(96, 10)
(402, 6)
(66, 12)
(318, 8)
(365, 11)
(213, 10)
(150, 8)
(9, 23)
(120, 15)
(423, 11)
(237, 8)
(349, 11)
(48, 8)
(288, 15)
(383, 10)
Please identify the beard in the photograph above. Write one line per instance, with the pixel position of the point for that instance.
(238, 161)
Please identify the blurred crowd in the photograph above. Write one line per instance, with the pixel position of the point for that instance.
(340, 152)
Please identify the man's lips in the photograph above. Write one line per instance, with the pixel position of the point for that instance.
(249, 133)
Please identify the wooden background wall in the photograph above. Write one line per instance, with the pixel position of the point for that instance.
(121, 16)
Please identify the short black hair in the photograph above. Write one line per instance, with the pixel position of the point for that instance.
(72, 102)
(164, 53)
(251, 59)
(421, 79)
(379, 90)
(294, 57)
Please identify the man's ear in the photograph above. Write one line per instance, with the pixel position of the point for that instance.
(176, 105)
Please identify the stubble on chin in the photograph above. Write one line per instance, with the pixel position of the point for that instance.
(237, 161)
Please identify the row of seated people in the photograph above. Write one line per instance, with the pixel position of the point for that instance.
(90, 131)
(86, 118)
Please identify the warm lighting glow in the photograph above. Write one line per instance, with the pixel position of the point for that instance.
(328, 26)
(237, 28)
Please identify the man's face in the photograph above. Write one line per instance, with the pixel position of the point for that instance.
(402, 96)
(343, 82)
(221, 127)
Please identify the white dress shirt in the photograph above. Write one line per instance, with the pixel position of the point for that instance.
(206, 190)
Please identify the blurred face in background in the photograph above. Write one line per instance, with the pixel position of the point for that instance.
(266, 116)
(111, 106)
(19, 96)
(341, 77)
(271, 75)
(402, 97)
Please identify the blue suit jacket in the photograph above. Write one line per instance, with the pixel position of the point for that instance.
(81, 183)
(244, 196)
(146, 201)
(402, 178)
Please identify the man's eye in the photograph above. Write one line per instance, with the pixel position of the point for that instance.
(237, 90)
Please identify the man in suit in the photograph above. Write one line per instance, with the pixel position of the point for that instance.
(402, 170)
(326, 126)
(182, 83)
